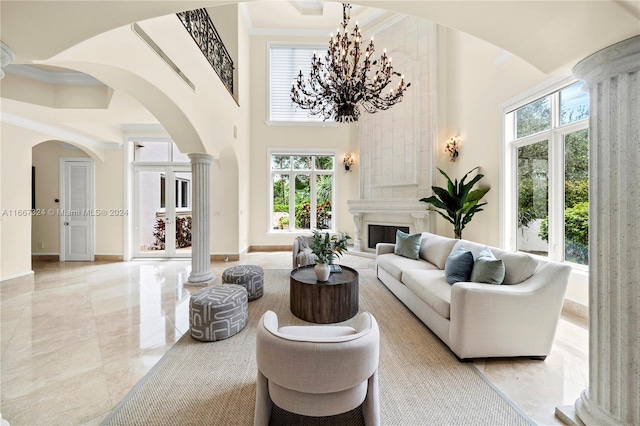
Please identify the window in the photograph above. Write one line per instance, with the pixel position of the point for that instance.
(182, 192)
(547, 172)
(285, 62)
(158, 152)
(302, 191)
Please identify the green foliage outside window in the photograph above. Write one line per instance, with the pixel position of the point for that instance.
(576, 232)
(576, 190)
(301, 168)
(533, 182)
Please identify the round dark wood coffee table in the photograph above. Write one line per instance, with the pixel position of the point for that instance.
(324, 302)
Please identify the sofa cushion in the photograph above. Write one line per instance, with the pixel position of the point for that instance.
(459, 265)
(435, 249)
(517, 266)
(395, 265)
(487, 269)
(432, 288)
(407, 245)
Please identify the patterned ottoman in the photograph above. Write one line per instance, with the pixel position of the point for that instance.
(250, 277)
(217, 312)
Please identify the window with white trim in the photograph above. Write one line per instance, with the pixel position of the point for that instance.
(546, 175)
(302, 190)
(285, 62)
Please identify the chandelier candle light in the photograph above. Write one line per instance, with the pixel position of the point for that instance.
(339, 85)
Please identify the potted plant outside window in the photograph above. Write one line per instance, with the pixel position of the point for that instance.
(327, 248)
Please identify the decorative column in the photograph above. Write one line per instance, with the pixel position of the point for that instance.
(357, 237)
(613, 395)
(200, 226)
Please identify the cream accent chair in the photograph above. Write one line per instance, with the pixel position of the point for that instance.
(302, 254)
(317, 370)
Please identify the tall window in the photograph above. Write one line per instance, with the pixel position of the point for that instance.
(302, 191)
(547, 145)
(285, 62)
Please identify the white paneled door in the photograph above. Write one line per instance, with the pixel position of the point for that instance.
(77, 214)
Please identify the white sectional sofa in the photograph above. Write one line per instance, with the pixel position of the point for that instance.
(476, 320)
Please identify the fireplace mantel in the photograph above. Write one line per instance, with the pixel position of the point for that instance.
(387, 205)
(386, 211)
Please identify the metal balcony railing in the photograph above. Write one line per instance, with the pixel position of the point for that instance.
(199, 25)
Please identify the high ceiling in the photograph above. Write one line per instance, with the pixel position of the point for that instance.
(304, 17)
(547, 34)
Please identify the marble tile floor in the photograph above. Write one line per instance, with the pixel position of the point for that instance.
(76, 337)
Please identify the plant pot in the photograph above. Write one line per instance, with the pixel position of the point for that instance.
(322, 271)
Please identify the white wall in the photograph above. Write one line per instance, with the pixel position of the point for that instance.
(15, 234)
(338, 137)
(474, 80)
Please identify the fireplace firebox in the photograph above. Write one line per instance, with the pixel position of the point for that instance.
(383, 234)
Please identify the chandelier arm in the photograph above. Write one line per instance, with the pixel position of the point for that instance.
(338, 86)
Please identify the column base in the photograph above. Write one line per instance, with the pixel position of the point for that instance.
(591, 414)
(202, 279)
(567, 415)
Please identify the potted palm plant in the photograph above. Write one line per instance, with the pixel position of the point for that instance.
(458, 201)
(327, 248)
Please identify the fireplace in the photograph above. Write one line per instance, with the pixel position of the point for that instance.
(383, 234)
(369, 216)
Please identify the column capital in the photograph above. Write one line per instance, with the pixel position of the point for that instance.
(622, 57)
(200, 158)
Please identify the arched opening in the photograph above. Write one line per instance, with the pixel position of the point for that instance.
(62, 196)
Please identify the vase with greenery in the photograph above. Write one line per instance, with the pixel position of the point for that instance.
(458, 200)
(327, 248)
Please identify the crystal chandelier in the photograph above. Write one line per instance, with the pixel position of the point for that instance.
(343, 82)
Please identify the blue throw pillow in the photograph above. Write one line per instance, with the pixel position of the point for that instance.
(407, 245)
(459, 265)
(487, 269)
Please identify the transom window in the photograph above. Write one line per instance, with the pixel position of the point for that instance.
(285, 62)
(302, 187)
(548, 160)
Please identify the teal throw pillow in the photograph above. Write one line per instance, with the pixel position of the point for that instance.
(407, 245)
(459, 265)
(487, 269)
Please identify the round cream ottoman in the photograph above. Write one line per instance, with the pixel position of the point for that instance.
(250, 277)
(217, 312)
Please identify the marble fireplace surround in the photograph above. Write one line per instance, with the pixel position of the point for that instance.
(389, 212)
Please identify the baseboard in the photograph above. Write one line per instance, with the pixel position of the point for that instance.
(574, 308)
(224, 257)
(23, 275)
(45, 257)
(108, 258)
(271, 248)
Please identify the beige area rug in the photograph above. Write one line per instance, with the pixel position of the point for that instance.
(421, 381)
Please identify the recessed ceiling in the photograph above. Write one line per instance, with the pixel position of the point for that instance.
(313, 18)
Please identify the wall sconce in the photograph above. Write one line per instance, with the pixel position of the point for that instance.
(453, 146)
(348, 162)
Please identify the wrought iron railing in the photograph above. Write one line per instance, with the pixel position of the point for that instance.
(199, 25)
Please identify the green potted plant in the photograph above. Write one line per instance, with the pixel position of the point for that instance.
(327, 248)
(458, 201)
